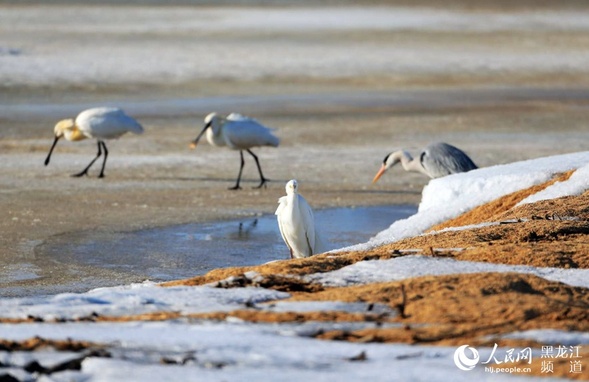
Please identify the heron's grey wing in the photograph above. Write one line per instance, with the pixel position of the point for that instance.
(441, 159)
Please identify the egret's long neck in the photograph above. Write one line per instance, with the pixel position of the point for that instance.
(408, 162)
(293, 198)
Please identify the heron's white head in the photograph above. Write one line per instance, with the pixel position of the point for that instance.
(389, 161)
(292, 187)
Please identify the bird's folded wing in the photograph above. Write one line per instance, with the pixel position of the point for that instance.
(282, 203)
(308, 219)
(106, 123)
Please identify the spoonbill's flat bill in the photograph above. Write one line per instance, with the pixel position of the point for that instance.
(100, 123)
(237, 132)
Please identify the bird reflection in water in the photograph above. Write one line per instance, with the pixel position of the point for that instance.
(243, 231)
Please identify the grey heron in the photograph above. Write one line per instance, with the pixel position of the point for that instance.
(436, 160)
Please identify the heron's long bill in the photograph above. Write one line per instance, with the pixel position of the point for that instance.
(382, 170)
(51, 151)
(195, 142)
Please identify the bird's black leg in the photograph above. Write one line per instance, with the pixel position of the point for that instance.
(236, 187)
(85, 171)
(262, 179)
(104, 161)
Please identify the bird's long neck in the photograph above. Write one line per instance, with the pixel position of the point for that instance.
(68, 129)
(74, 134)
(293, 200)
(215, 136)
(409, 163)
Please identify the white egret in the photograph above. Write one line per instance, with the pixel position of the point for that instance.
(100, 123)
(436, 160)
(297, 224)
(238, 133)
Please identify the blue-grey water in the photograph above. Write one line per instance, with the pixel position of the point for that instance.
(191, 249)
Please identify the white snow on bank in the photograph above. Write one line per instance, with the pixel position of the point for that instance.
(314, 306)
(136, 299)
(405, 267)
(149, 297)
(575, 185)
(448, 197)
(551, 336)
(222, 351)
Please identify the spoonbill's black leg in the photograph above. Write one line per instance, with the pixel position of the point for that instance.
(85, 171)
(262, 179)
(104, 161)
(236, 187)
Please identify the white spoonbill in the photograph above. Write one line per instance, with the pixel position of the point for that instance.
(297, 224)
(238, 133)
(100, 123)
(436, 160)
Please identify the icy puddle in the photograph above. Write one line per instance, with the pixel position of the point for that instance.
(187, 250)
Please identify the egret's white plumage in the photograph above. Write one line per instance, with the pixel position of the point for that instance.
(238, 133)
(436, 160)
(100, 123)
(297, 224)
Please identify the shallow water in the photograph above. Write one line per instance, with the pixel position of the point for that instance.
(191, 249)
